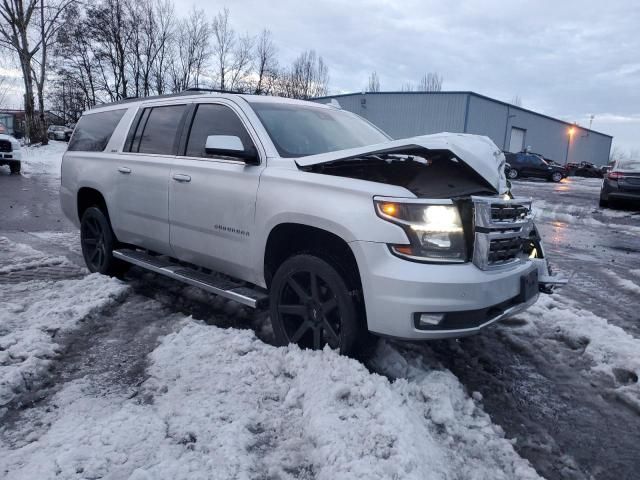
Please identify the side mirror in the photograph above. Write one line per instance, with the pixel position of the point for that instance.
(230, 146)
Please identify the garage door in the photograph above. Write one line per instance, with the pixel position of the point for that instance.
(516, 144)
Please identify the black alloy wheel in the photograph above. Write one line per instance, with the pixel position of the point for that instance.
(311, 305)
(98, 242)
(556, 177)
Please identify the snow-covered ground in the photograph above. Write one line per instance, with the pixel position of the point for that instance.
(35, 313)
(221, 403)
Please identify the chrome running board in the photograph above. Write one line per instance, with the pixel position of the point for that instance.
(209, 282)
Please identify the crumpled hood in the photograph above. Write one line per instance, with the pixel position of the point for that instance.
(477, 151)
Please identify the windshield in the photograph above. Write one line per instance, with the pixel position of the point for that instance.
(633, 165)
(298, 131)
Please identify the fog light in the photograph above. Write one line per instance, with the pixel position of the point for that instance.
(431, 319)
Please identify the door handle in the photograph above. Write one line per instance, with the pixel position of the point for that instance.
(181, 177)
(124, 169)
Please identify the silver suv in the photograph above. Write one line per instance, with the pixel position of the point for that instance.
(308, 209)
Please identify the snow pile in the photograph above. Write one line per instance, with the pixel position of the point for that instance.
(18, 256)
(45, 160)
(222, 404)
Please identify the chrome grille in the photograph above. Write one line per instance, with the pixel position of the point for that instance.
(501, 227)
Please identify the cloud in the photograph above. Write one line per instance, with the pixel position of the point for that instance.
(568, 59)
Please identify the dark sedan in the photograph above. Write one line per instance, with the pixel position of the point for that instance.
(525, 164)
(621, 183)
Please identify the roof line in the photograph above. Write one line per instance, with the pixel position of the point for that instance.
(466, 92)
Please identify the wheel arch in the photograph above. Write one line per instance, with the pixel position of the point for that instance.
(89, 197)
(290, 238)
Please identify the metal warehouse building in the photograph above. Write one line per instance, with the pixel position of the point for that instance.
(512, 128)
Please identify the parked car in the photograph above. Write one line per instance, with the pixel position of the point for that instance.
(59, 132)
(621, 183)
(10, 152)
(532, 165)
(309, 209)
(584, 169)
(606, 169)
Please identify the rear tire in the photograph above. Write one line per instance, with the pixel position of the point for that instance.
(556, 177)
(513, 174)
(604, 203)
(312, 306)
(98, 243)
(15, 167)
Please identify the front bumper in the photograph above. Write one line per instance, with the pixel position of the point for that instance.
(8, 157)
(395, 290)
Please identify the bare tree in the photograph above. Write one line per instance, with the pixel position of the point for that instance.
(374, 83)
(430, 82)
(307, 78)
(16, 18)
(109, 27)
(407, 87)
(75, 56)
(242, 64)
(164, 41)
(7, 85)
(266, 64)
(192, 52)
(48, 23)
(516, 100)
(224, 39)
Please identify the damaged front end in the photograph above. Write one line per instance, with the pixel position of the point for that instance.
(464, 171)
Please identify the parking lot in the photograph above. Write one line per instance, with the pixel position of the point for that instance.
(148, 378)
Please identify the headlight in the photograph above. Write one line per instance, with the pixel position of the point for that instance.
(435, 231)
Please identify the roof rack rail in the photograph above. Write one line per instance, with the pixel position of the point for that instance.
(216, 90)
(188, 91)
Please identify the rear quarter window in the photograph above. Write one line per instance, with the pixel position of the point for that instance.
(157, 130)
(93, 131)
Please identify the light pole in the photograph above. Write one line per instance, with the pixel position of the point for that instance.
(570, 133)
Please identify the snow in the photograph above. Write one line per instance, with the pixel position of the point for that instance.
(18, 256)
(220, 403)
(34, 314)
(624, 283)
(44, 160)
(70, 240)
(610, 348)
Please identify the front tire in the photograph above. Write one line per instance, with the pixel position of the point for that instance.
(15, 167)
(513, 174)
(98, 242)
(312, 305)
(603, 203)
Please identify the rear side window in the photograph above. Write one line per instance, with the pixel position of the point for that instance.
(157, 130)
(212, 119)
(94, 131)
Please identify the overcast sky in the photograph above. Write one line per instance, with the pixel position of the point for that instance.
(563, 58)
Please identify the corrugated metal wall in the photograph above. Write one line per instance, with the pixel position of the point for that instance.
(544, 135)
(406, 114)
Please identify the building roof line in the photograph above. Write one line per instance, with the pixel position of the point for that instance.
(467, 92)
